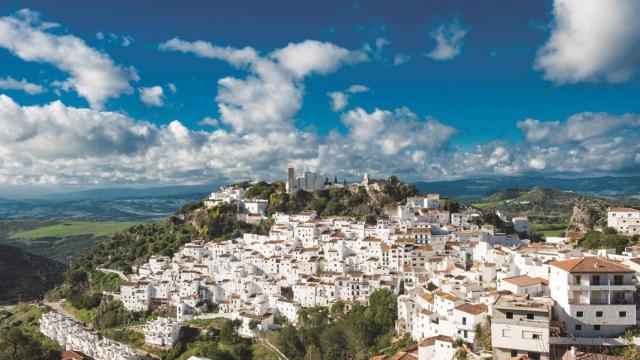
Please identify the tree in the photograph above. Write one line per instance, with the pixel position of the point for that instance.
(228, 331)
(16, 345)
(253, 325)
(631, 351)
(312, 353)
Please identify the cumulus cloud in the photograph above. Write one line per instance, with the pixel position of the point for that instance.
(152, 96)
(577, 128)
(9, 83)
(208, 121)
(172, 88)
(340, 99)
(93, 75)
(111, 38)
(591, 40)
(449, 40)
(269, 97)
(400, 58)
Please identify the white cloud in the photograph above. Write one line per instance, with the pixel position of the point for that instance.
(172, 88)
(312, 56)
(577, 128)
(152, 96)
(400, 59)
(10, 83)
(356, 89)
(340, 99)
(92, 74)
(208, 121)
(449, 40)
(591, 40)
(269, 97)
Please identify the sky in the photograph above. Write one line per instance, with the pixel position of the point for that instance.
(103, 94)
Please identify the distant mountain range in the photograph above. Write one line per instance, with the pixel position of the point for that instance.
(479, 188)
(132, 204)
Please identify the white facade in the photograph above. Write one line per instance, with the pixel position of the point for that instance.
(626, 221)
(592, 296)
(520, 327)
(162, 332)
(71, 335)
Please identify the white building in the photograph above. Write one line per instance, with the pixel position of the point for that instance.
(162, 332)
(520, 327)
(71, 335)
(626, 221)
(592, 296)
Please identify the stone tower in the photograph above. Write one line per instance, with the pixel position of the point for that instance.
(290, 179)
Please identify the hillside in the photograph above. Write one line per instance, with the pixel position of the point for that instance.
(481, 188)
(122, 208)
(26, 276)
(551, 211)
(58, 240)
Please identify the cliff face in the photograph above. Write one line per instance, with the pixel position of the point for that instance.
(582, 216)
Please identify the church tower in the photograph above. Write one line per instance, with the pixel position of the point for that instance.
(290, 179)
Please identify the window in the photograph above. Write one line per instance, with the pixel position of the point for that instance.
(596, 327)
(465, 334)
(598, 313)
(579, 313)
(514, 353)
(464, 321)
(535, 336)
(578, 327)
(617, 280)
(509, 315)
(506, 332)
(595, 280)
(578, 279)
(529, 316)
(622, 314)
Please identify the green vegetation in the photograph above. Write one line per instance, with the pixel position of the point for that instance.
(20, 337)
(545, 206)
(73, 228)
(488, 204)
(547, 230)
(337, 201)
(25, 276)
(607, 239)
(223, 343)
(358, 334)
(58, 240)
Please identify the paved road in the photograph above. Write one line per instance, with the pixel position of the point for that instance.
(117, 272)
(57, 306)
(272, 347)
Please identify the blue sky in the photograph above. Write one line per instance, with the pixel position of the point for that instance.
(445, 89)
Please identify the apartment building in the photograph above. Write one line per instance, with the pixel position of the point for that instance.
(593, 297)
(626, 221)
(520, 327)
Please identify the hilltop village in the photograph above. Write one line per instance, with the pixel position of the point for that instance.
(462, 288)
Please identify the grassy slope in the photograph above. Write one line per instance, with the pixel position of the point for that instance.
(58, 240)
(73, 228)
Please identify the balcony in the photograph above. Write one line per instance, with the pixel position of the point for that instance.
(601, 302)
(602, 287)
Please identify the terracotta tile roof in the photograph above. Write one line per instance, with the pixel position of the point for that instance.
(474, 309)
(591, 265)
(430, 341)
(524, 280)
